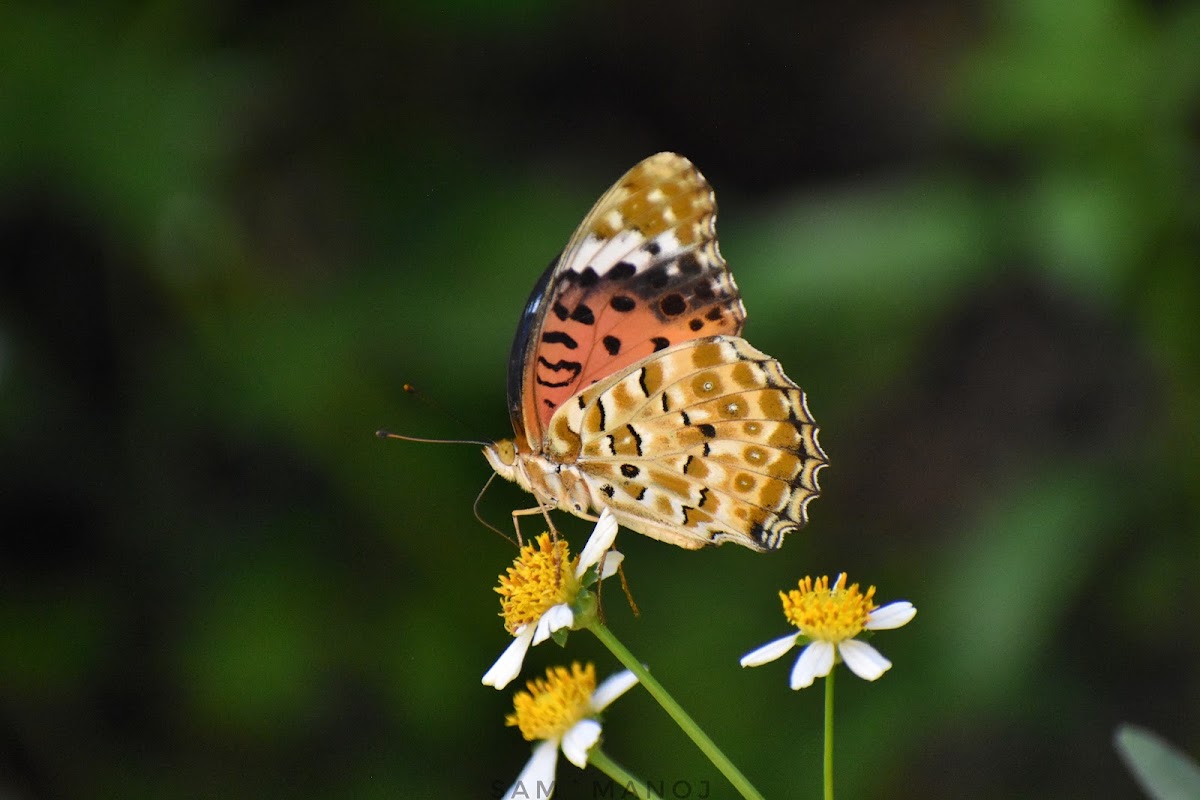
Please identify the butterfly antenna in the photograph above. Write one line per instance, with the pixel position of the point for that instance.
(410, 389)
(478, 516)
(385, 434)
(432, 404)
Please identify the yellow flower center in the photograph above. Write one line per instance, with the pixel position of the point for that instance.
(552, 705)
(541, 577)
(827, 615)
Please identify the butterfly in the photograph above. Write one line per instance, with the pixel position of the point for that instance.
(629, 386)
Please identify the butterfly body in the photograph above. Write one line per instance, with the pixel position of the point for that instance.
(630, 387)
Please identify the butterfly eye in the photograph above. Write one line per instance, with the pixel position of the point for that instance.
(507, 452)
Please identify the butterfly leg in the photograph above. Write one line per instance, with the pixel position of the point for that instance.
(628, 594)
(544, 510)
(624, 586)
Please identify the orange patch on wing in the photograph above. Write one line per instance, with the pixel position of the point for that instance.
(771, 495)
(565, 444)
(785, 467)
(708, 354)
(785, 437)
(743, 375)
(662, 504)
(774, 405)
(670, 482)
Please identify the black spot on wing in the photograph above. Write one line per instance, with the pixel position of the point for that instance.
(620, 271)
(660, 343)
(561, 311)
(583, 315)
(612, 344)
(714, 313)
(673, 305)
(696, 324)
(708, 430)
(560, 337)
(623, 303)
(629, 470)
(572, 368)
(608, 490)
(689, 264)
(588, 277)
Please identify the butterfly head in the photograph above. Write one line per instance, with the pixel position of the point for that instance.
(502, 455)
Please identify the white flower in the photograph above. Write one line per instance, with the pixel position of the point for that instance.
(559, 711)
(830, 619)
(539, 592)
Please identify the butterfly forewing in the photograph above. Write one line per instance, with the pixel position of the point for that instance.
(642, 272)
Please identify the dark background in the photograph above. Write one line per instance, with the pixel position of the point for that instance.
(230, 234)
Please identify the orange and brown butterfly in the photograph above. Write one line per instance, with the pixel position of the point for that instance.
(630, 388)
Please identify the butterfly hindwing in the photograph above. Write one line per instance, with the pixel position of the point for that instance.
(708, 441)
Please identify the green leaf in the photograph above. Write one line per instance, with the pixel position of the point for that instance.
(1163, 772)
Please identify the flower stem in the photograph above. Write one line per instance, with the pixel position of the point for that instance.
(829, 735)
(676, 712)
(628, 786)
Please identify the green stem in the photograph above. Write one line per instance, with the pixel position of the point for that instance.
(676, 712)
(629, 786)
(829, 735)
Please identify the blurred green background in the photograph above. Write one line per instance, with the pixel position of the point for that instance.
(231, 233)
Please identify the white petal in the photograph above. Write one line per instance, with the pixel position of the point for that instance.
(537, 778)
(814, 662)
(611, 562)
(893, 615)
(863, 660)
(508, 665)
(554, 618)
(613, 687)
(579, 740)
(602, 538)
(769, 651)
